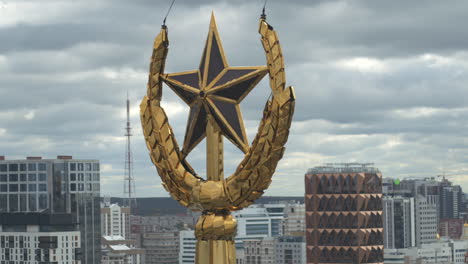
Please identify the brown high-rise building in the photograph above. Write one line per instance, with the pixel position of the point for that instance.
(344, 214)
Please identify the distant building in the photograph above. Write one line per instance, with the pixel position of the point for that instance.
(161, 247)
(117, 246)
(259, 250)
(452, 228)
(437, 252)
(399, 222)
(294, 220)
(344, 214)
(253, 223)
(276, 250)
(451, 202)
(290, 250)
(259, 220)
(62, 185)
(426, 219)
(118, 250)
(39, 238)
(115, 220)
(427, 208)
(187, 247)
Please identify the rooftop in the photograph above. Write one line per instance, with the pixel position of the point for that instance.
(344, 168)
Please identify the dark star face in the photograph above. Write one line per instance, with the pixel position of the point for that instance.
(215, 90)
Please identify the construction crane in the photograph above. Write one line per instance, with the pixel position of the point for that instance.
(443, 175)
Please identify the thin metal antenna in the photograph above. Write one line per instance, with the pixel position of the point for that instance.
(263, 16)
(169, 10)
(129, 180)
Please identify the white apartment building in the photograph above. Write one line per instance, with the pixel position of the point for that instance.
(115, 220)
(39, 238)
(426, 220)
(187, 246)
(258, 221)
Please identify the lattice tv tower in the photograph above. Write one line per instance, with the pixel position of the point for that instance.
(129, 181)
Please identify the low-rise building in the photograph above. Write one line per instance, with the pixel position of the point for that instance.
(439, 251)
(118, 250)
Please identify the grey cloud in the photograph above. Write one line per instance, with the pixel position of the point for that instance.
(74, 71)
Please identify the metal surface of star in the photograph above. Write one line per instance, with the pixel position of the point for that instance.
(215, 90)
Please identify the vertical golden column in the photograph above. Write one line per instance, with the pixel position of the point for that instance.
(214, 151)
(215, 229)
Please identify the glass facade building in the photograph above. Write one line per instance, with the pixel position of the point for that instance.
(62, 185)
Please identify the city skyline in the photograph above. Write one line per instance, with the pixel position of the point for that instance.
(375, 86)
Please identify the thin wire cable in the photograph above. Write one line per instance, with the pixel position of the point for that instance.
(169, 10)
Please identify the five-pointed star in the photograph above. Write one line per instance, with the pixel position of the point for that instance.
(215, 90)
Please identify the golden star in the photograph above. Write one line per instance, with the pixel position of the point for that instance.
(216, 90)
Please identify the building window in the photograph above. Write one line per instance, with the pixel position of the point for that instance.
(32, 167)
(42, 201)
(3, 188)
(13, 202)
(73, 187)
(22, 167)
(88, 166)
(42, 177)
(23, 187)
(3, 204)
(42, 166)
(32, 187)
(32, 177)
(72, 176)
(13, 187)
(13, 177)
(13, 167)
(3, 178)
(23, 177)
(95, 166)
(257, 229)
(43, 187)
(95, 176)
(23, 199)
(3, 167)
(73, 166)
(80, 166)
(32, 202)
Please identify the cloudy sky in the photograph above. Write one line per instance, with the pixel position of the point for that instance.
(376, 81)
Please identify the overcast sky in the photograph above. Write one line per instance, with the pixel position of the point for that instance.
(376, 81)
